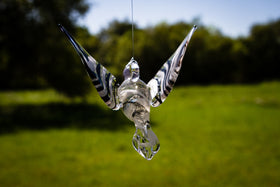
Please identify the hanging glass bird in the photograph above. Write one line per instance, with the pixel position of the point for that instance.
(134, 96)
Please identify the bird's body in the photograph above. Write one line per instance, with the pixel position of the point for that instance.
(135, 99)
(134, 96)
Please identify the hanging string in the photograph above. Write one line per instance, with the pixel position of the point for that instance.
(132, 29)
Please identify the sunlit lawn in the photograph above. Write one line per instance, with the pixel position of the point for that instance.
(210, 136)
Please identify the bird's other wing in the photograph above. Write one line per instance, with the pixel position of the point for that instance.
(164, 80)
(102, 79)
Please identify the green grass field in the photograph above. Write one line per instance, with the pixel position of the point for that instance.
(210, 136)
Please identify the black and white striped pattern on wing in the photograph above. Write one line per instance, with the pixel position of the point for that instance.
(163, 82)
(102, 79)
(166, 78)
(104, 82)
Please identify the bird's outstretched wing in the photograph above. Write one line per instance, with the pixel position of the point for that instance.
(102, 79)
(164, 80)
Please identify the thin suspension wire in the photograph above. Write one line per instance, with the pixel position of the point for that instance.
(132, 29)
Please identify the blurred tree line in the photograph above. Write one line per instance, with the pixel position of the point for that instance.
(34, 54)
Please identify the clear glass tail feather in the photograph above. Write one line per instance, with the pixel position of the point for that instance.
(145, 142)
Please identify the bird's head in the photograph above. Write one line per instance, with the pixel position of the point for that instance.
(131, 70)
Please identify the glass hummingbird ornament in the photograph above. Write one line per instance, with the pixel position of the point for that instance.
(133, 95)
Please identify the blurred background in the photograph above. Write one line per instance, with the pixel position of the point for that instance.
(55, 130)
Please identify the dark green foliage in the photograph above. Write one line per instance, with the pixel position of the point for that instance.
(35, 54)
(210, 58)
(264, 47)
